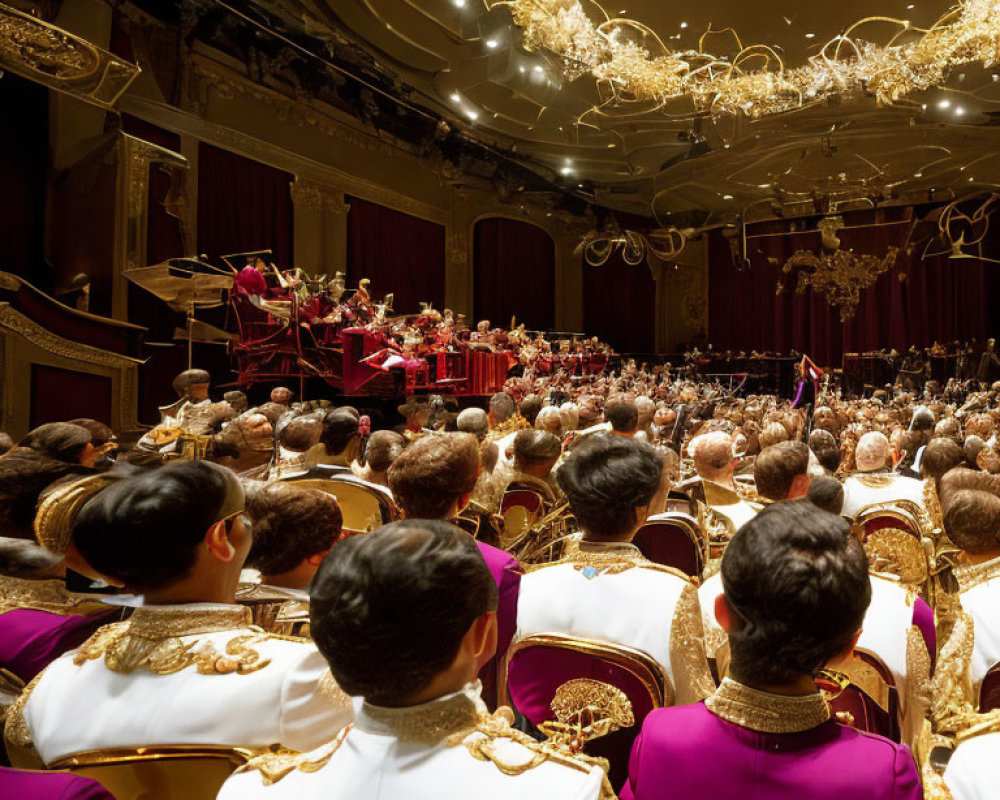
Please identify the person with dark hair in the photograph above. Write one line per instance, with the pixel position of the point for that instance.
(824, 446)
(339, 441)
(383, 448)
(795, 593)
(433, 479)
(405, 617)
(623, 415)
(940, 456)
(781, 472)
(826, 492)
(293, 529)
(502, 408)
(606, 589)
(530, 407)
(188, 667)
(47, 455)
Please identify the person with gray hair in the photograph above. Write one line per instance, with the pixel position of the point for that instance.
(474, 421)
(549, 419)
(874, 482)
(502, 408)
(570, 417)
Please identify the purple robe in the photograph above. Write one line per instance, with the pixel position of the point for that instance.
(507, 574)
(923, 618)
(18, 784)
(688, 752)
(30, 640)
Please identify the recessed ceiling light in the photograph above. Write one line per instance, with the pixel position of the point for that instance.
(491, 43)
(565, 170)
(455, 97)
(918, 174)
(959, 111)
(923, 106)
(910, 7)
(472, 114)
(727, 197)
(538, 67)
(580, 185)
(683, 25)
(810, 35)
(611, 144)
(623, 11)
(459, 3)
(521, 69)
(944, 104)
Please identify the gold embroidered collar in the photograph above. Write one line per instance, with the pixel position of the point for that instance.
(874, 480)
(976, 574)
(44, 595)
(427, 723)
(765, 712)
(192, 619)
(604, 558)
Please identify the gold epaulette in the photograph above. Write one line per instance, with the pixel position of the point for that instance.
(50, 596)
(275, 766)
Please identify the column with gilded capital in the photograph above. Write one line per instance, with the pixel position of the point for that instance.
(320, 226)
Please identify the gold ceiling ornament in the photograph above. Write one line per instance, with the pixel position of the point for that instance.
(662, 243)
(60, 60)
(840, 275)
(631, 64)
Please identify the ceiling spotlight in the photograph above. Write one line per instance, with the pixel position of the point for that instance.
(458, 3)
(923, 106)
(910, 7)
(610, 145)
(455, 97)
(918, 174)
(810, 35)
(566, 170)
(944, 104)
(491, 43)
(580, 185)
(959, 111)
(683, 25)
(521, 69)
(472, 114)
(727, 197)
(538, 67)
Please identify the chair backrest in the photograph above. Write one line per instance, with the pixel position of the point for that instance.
(674, 540)
(175, 772)
(989, 691)
(870, 702)
(891, 535)
(521, 507)
(540, 664)
(364, 506)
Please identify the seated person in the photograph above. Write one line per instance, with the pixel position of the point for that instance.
(433, 479)
(607, 590)
(406, 618)
(971, 503)
(796, 589)
(188, 667)
(293, 529)
(535, 455)
(18, 783)
(50, 453)
(382, 449)
(339, 441)
(973, 771)
(782, 471)
(489, 487)
(873, 482)
(549, 419)
(826, 492)
(940, 456)
(712, 454)
(39, 619)
(623, 415)
(296, 436)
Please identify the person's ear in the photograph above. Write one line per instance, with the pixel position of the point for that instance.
(723, 614)
(482, 638)
(317, 558)
(800, 485)
(847, 653)
(218, 544)
(462, 502)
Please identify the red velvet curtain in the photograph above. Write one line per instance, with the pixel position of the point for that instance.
(398, 253)
(940, 299)
(514, 273)
(242, 205)
(619, 305)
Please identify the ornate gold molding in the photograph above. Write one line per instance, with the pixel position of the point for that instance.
(60, 60)
(318, 197)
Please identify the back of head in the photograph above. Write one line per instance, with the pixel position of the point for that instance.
(922, 420)
(940, 456)
(145, 530)
(502, 407)
(646, 409)
(549, 419)
(300, 433)
(530, 406)
(474, 421)
(797, 585)
(100, 434)
(970, 502)
(872, 452)
(340, 428)
(431, 474)
(188, 378)
(383, 448)
(533, 448)
(389, 609)
(821, 438)
(622, 414)
(62, 441)
(606, 479)
(773, 433)
(973, 446)
(826, 492)
(777, 467)
(21, 558)
(290, 524)
(713, 455)
(570, 416)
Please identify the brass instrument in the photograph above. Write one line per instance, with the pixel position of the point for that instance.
(537, 543)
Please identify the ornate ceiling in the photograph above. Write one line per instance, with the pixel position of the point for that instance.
(467, 63)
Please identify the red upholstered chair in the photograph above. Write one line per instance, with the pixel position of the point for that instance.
(673, 540)
(893, 541)
(989, 692)
(520, 507)
(538, 665)
(870, 702)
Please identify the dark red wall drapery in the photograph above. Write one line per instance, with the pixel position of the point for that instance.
(619, 305)
(397, 252)
(242, 205)
(940, 299)
(514, 273)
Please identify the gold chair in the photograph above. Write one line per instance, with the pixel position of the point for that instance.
(175, 772)
(893, 541)
(365, 507)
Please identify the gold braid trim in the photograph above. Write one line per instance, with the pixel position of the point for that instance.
(687, 639)
(972, 575)
(330, 689)
(50, 596)
(151, 640)
(766, 712)
(275, 766)
(953, 696)
(16, 730)
(931, 513)
(918, 674)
